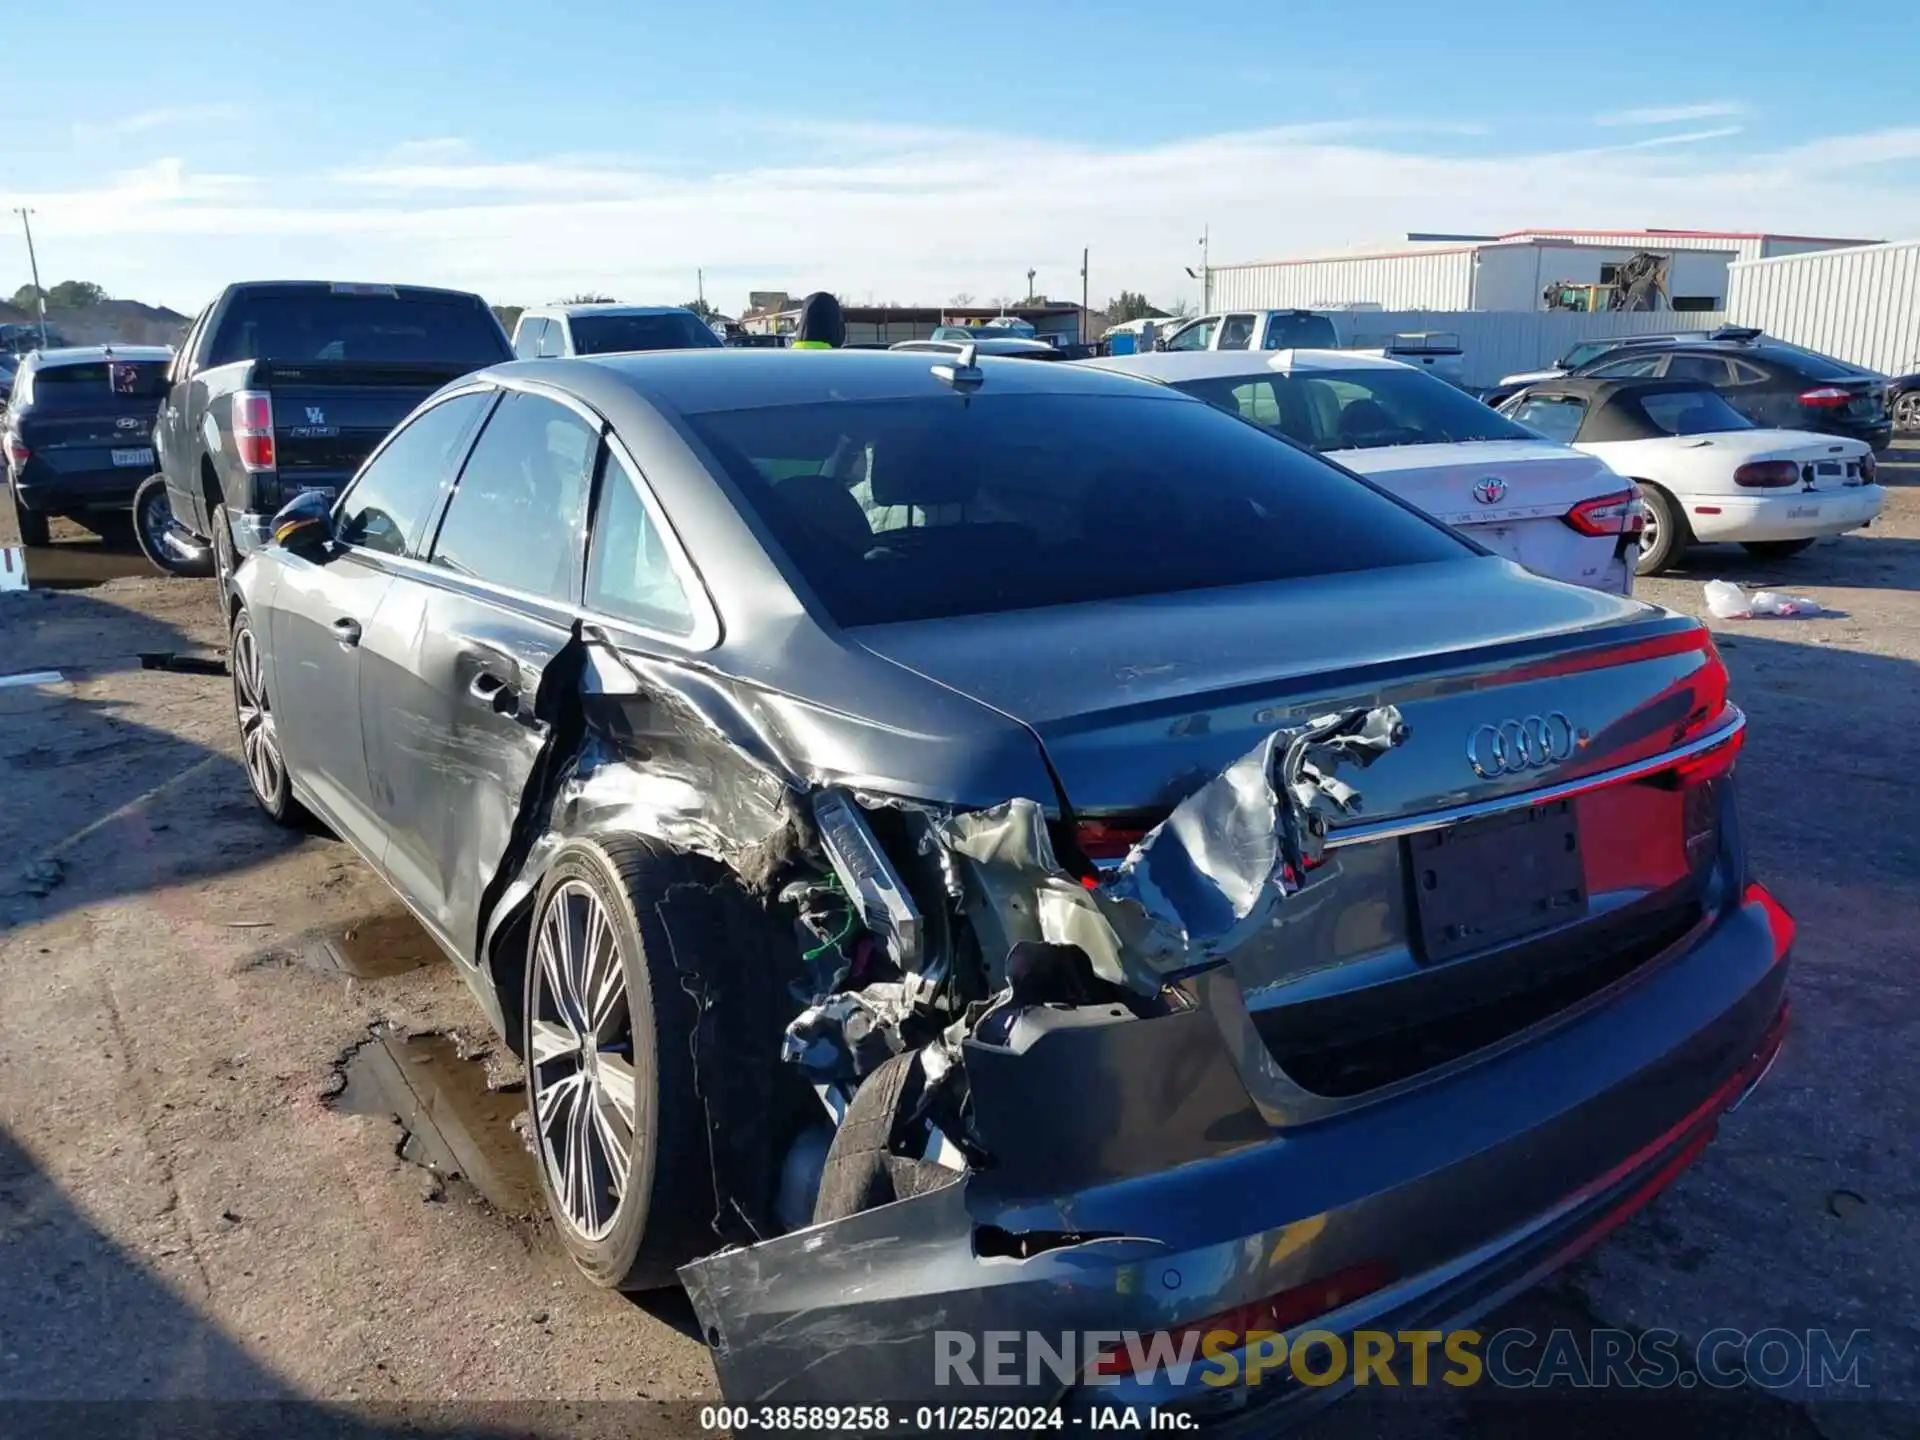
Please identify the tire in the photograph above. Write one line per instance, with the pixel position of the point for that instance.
(1906, 413)
(33, 525)
(1667, 534)
(223, 561)
(1774, 549)
(261, 757)
(152, 517)
(667, 918)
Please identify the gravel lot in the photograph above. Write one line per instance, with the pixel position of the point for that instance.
(189, 1208)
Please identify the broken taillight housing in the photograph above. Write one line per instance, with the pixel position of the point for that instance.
(1620, 513)
(1275, 1315)
(1109, 839)
(17, 450)
(253, 428)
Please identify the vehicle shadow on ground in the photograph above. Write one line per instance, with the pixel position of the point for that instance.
(79, 771)
(1857, 562)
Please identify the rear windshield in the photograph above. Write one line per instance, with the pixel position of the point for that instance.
(1552, 417)
(925, 508)
(1812, 364)
(98, 384)
(1356, 409)
(605, 334)
(321, 325)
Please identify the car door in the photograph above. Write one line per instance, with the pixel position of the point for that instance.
(323, 612)
(1197, 336)
(171, 437)
(462, 645)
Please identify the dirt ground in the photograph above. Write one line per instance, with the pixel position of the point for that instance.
(204, 1042)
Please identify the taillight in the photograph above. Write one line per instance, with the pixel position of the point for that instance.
(1709, 764)
(1826, 397)
(253, 428)
(1620, 513)
(17, 450)
(1269, 1318)
(1109, 839)
(1767, 474)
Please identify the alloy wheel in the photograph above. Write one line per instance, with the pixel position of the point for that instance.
(580, 1075)
(1649, 529)
(155, 521)
(1906, 412)
(259, 743)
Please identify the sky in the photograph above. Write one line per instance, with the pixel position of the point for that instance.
(910, 152)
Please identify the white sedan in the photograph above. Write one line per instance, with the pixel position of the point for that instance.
(1559, 513)
(1705, 473)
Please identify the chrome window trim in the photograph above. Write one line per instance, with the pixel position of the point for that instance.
(706, 631)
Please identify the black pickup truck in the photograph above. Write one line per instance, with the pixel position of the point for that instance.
(284, 387)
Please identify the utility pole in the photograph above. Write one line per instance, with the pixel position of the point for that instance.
(1030, 275)
(33, 264)
(1206, 271)
(700, 286)
(1083, 295)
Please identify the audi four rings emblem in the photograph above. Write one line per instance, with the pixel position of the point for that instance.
(1515, 746)
(1490, 491)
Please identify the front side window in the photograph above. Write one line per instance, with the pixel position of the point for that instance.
(514, 519)
(915, 509)
(1197, 336)
(1356, 409)
(629, 571)
(386, 508)
(1552, 417)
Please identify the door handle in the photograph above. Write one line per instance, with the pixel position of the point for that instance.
(496, 694)
(346, 630)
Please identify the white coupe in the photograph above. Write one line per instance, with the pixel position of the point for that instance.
(1705, 473)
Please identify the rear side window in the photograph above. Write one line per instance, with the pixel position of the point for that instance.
(1357, 409)
(924, 508)
(1299, 332)
(629, 572)
(1628, 367)
(390, 503)
(674, 330)
(1707, 369)
(106, 384)
(514, 519)
(328, 325)
(1692, 412)
(1553, 417)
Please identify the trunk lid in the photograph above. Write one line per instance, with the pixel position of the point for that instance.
(1826, 462)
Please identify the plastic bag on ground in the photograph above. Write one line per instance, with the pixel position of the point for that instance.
(1770, 602)
(1727, 601)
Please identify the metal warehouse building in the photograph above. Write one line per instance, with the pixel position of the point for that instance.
(1861, 304)
(1500, 272)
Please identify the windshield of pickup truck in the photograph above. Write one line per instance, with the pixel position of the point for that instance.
(322, 325)
(608, 334)
(1356, 409)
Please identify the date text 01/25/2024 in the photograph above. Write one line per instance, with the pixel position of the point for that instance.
(933, 1419)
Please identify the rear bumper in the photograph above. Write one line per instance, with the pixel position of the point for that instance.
(1789, 515)
(43, 488)
(1465, 1192)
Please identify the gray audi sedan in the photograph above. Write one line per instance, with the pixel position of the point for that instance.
(972, 849)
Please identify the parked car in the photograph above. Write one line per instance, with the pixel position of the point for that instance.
(751, 743)
(1550, 508)
(78, 432)
(1705, 473)
(1903, 403)
(1587, 351)
(1772, 383)
(286, 386)
(549, 332)
(8, 364)
(1001, 327)
(1436, 351)
(1004, 345)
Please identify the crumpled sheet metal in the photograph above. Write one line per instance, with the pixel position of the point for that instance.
(1202, 880)
(851, 1034)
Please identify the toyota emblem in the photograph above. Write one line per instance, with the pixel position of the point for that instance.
(1490, 491)
(1513, 747)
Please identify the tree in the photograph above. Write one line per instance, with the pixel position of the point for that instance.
(24, 298)
(962, 300)
(1130, 305)
(507, 315)
(586, 299)
(75, 295)
(701, 308)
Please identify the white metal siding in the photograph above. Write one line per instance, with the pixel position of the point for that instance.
(1510, 277)
(1861, 305)
(1495, 344)
(1632, 243)
(1441, 280)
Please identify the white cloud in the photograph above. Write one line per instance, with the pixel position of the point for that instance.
(165, 118)
(1673, 114)
(917, 215)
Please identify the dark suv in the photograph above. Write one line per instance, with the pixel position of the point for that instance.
(1772, 383)
(78, 431)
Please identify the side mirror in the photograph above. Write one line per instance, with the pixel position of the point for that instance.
(304, 525)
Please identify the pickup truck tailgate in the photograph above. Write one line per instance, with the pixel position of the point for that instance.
(329, 415)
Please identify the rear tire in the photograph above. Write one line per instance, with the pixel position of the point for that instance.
(1666, 536)
(1906, 413)
(33, 525)
(223, 560)
(675, 922)
(1774, 549)
(152, 519)
(864, 1167)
